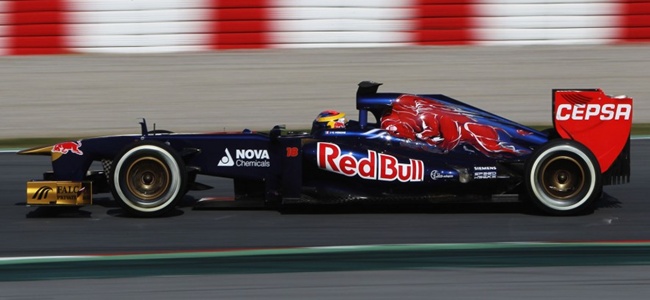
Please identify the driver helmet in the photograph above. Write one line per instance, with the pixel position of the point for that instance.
(329, 119)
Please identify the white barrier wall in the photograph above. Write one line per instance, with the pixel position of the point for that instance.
(127, 26)
(506, 22)
(147, 26)
(341, 23)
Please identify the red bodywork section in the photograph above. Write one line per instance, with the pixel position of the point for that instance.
(422, 119)
(598, 121)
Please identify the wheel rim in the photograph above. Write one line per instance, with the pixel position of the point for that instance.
(148, 178)
(563, 177)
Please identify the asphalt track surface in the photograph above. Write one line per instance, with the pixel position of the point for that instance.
(101, 228)
(489, 270)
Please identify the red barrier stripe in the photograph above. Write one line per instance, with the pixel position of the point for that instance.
(36, 5)
(35, 17)
(234, 14)
(636, 34)
(253, 39)
(238, 24)
(27, 30)
(44, 42)
(431, 37)
(48, 37)
(637, 21)
(636, 7)
(635, 25)
(445, 10)
(239, 3)
(444, 22)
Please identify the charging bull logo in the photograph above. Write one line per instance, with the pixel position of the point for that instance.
(419, 119)
(66, 147)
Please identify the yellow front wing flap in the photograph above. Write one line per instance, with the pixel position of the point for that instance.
(72, 193)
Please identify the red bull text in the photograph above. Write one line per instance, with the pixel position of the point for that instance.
(377, 166)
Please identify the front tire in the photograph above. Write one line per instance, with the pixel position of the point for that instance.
(563, 178)
(147, 179)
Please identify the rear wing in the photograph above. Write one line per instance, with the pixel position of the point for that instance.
(600, 122)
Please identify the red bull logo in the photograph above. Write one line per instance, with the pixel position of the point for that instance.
(377, 166)
(415, 118)
(66, 147)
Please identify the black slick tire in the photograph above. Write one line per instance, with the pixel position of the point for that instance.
(563, 178)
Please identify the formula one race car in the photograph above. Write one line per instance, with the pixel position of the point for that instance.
(402, 147)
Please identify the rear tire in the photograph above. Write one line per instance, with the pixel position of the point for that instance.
(563, 178)
(148, 179)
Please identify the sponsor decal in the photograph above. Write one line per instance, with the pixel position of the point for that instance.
(257, 158)
(334, 132)
(603, 112)
(600, 122)
(42, 193)
(69, 192)
(59, 193)
(488, 168)
(66, 147)
(226, 161)
(436, 174)
(485, 172)
(376, 166)
(292, 151)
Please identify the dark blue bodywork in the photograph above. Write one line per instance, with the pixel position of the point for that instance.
(282, 166)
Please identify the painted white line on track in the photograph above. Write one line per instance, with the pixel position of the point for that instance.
(37, 258)
(316, 250)
(9, 151)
